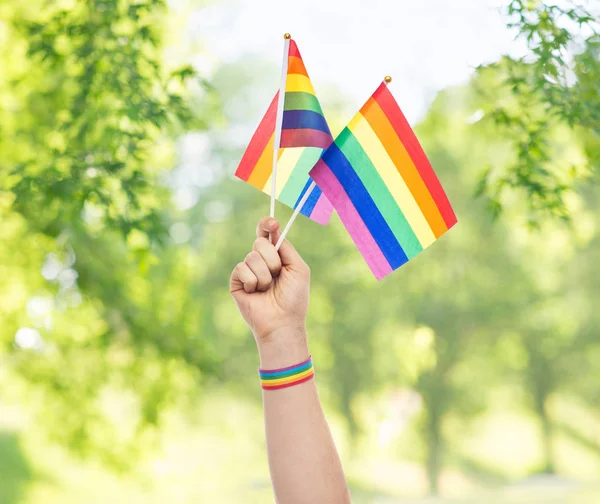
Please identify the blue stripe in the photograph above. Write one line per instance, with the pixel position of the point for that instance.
(366, 208)
(296, 369)
(311, 202)
(304, 189)
(304, 119)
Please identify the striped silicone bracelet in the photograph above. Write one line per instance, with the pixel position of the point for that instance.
(274, 379)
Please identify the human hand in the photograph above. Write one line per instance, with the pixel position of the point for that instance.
(271, 289)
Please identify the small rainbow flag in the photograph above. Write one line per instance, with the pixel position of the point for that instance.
(381, 183)
(304, 136)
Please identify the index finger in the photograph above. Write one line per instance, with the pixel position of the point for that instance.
(268, 226)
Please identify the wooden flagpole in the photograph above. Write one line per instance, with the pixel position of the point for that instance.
(278, 124)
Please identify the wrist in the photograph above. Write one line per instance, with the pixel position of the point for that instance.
(283, 347)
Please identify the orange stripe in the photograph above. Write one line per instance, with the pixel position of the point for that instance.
(264, 166)
(396, 150)
(296, 66)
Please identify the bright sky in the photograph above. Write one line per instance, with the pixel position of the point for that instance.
(425, 45)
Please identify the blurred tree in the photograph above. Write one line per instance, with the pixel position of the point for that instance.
(89, 98)
(546, 87)
(88, 109)
(15, 469)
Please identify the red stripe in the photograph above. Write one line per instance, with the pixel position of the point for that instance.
(305, 138)
(394, 114)
(286, 385)
(259, 142)
(294, 49)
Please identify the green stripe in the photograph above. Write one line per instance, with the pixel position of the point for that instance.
(302, 101)
(379, 192)
(293, 187)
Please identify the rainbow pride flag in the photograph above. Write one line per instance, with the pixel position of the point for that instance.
(381, 183)
(305, 135)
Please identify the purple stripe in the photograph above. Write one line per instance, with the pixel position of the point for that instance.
(363, 239)
(285, 368)
(322, 211)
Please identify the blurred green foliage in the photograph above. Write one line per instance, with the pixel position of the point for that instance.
(543, 89)
(123, 284)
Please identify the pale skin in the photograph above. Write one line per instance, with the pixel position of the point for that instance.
(271, 290)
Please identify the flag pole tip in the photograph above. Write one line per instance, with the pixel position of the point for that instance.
(387, 79)
(287, 36)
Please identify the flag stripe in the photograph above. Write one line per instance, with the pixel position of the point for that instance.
(287, 161)
(302, 101)
(296, 66)
(262, 171)
(311, 137)
(294, 52)
(290, 193)
(304, 119)
(310, 203)
(369, 141)
(386, 133)
(366, 208)
(398, 121)
(302, 193)
(312, 200)
(261, 138)
(363, 239)
(323, 209)
(298, 84)
(378, 192)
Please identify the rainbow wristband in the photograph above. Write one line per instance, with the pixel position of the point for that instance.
(273, 379)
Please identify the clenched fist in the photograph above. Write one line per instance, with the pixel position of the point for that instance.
(271, 288)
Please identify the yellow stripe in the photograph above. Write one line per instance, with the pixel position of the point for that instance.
(289, 379)
(298, 83)
(373, 147)
(287, 161)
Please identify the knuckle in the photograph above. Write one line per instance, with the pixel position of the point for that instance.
(251, 256)
(264, 286)
(276, 266)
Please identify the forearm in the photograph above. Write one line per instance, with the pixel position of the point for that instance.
(304, 464)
